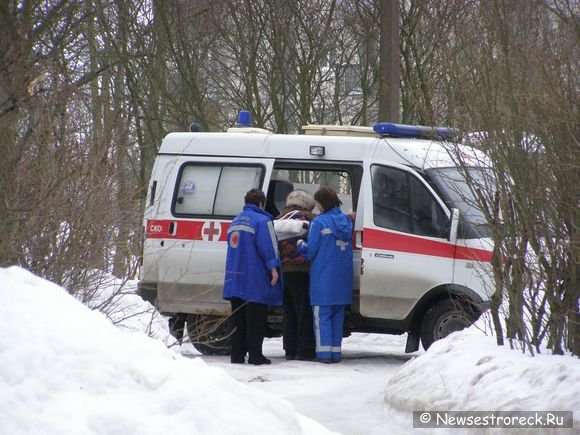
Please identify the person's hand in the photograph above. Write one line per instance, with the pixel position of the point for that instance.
(274, 273)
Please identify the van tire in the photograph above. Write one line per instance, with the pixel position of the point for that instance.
(443, 318)
(210, 334)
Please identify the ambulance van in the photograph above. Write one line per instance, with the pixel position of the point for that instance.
(421, 248)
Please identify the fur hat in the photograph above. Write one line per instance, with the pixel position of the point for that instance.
(300, 198)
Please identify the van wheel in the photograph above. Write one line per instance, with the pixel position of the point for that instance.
(442, 319)
(210, 334)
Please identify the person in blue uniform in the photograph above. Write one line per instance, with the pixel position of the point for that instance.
(329, 251)
(252, 277)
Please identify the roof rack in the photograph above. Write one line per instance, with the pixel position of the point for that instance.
(338, 130)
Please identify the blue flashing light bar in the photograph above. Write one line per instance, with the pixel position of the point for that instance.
(244, 119)
(414, 131)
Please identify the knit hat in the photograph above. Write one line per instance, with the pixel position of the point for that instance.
(300, 198)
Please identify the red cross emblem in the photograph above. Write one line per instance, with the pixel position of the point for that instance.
(211, 231)
(235, 239)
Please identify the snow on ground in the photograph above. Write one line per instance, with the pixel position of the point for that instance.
(469, 372)
(347, 398)
(119, 301)
(376, 387)
(67, 370)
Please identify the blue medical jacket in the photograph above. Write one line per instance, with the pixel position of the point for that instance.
(252, 252)
(329, 250)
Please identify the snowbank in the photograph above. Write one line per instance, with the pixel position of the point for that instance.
(468, 372)
(119, 301)
(65, 369)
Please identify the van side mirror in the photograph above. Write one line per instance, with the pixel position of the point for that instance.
(454, 225)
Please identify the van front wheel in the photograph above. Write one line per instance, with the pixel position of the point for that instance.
(210, 334)
(442, 319)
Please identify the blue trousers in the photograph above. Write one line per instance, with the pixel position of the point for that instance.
(328, 326)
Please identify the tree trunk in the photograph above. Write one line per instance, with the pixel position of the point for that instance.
(389, 68)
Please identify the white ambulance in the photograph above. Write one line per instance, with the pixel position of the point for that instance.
(421, 249)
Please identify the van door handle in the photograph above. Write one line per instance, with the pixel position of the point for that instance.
(358, 239)
(172, 228)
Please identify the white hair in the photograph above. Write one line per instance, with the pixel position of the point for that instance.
(300, 198)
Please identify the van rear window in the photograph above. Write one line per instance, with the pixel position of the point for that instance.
(214, 189)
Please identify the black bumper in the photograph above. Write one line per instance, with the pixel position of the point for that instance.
(148, 291)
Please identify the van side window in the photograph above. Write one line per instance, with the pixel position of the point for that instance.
(391, 205)
(429, 219)
(402, 203)
(208, 189)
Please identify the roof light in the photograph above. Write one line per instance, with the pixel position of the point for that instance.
(244, 119)
(414, 131)
(317, 150)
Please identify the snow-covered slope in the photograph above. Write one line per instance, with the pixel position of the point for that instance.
(65, 369)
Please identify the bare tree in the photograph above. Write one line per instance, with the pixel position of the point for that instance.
(517, 82)
(42, 74)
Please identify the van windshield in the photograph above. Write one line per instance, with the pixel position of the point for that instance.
(458, 193)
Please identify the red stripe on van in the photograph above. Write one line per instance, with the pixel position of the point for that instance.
(372, 238)
(187, 230)
(473, 254)
(377, 239)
